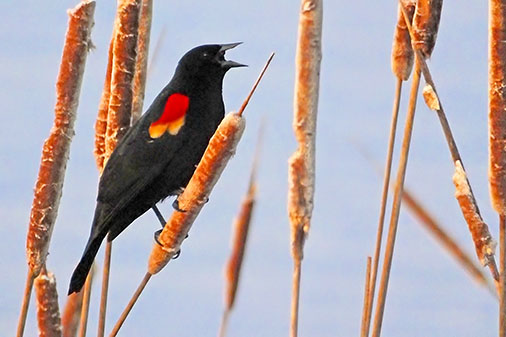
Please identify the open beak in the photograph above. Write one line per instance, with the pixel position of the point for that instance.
(228, 63)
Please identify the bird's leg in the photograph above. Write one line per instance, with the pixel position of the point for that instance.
(159, 215)
(162, 222)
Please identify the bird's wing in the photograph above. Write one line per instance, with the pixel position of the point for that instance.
(138, 159)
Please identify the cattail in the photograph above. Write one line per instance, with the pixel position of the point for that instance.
(497, 106)
(71, 314)
(141, 64)
(483, 242)
(497, 136)
(402, 52)
(122, 73)
(426, 25)
(221, 147)
(301, 165)
(56, 149)
(307, 82)
(48, 314)
(103, 111)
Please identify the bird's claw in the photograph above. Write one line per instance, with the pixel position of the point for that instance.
(156, 235)
(175, 205)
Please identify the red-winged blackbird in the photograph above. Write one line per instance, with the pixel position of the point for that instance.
(158, 155)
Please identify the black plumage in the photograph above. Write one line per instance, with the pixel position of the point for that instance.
(144, 169)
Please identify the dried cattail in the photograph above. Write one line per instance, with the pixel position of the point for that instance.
(71, 314)
(56, 148)
(123, 69)
(221, 147)
(497, 105)
(103, 111)
(497, 136)
(483, 242)
(426, 24)
(234, 264)
(431, 98)
(307, 82)
(141, 64)
(301, 165)
(48, 314)
(402, 52)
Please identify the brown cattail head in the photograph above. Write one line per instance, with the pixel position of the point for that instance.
(48, 314)
(483, 242)
(497, 105)
(307, 83)
(123, 69)
(402, 52)
(142, 59)
(221, 147)
(103, 111)
(56, 148)
(241, 228)
(426, 24)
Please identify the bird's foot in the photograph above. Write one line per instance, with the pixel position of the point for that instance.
(156, 235)
(175, 205)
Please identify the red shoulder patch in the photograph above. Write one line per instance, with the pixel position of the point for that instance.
(173, 116)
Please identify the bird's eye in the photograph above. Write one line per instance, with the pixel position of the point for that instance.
(205, 54)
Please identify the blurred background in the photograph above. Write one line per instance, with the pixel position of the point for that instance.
(429, 294)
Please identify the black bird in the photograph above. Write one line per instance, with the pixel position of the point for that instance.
(158, 155)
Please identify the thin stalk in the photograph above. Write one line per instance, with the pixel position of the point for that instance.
(224, 323)
(396, 205)
(367, 290)
(502, 268)
(86, 304)
(130, 305)
(30, 277)
(105, 289)
(255, 85)
(384, 198)
(295, 297)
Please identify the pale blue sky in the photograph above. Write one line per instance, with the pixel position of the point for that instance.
(429, 294)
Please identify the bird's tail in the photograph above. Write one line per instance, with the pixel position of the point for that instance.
(84, 266)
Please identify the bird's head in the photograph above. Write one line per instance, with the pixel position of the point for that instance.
(208, 61)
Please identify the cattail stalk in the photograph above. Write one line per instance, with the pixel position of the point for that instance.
(302, 163)
(402, 64)
(56, 148)
(48, 314)
(85, 308)
(426, 21)
(141, 63)
(71, 314)
(220, 149)
(367, 295)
